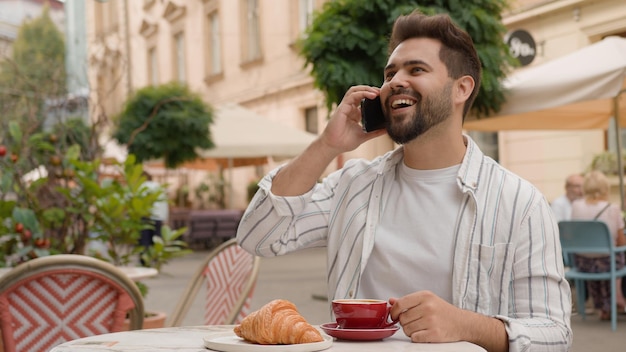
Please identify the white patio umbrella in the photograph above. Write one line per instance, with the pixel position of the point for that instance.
(242, 134)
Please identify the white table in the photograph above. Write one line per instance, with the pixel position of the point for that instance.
(134, 272)
(137, 273)
(191, 339)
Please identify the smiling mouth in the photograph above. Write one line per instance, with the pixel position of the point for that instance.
(402, 103)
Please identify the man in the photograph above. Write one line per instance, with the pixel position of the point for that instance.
(562, 206)
(463, 249)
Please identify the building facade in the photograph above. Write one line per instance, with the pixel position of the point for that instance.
(559, 27)
(242, 51)
(227, 51)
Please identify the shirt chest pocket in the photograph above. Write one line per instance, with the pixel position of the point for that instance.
(489, 276)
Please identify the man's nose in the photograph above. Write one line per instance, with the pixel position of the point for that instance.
(399, 80)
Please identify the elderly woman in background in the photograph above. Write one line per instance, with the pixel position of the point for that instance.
(595, 205)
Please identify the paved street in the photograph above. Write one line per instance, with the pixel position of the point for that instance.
(299, 277)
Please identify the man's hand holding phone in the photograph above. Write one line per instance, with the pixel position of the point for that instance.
(344, 131)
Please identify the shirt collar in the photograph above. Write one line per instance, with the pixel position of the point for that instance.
(469, 172)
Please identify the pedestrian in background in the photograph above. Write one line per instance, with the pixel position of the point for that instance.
(158, 214)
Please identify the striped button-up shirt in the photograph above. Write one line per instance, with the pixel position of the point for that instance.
(507, 255)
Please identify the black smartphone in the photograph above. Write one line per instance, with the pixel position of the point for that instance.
(372, 116)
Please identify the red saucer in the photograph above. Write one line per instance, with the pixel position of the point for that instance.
(358, 334)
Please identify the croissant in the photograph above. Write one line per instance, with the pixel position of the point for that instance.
(277, 323)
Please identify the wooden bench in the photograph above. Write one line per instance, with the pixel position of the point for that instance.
(179, 218)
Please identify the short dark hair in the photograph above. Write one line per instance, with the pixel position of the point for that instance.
(457, 51)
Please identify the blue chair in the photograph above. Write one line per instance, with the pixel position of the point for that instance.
(590, 236)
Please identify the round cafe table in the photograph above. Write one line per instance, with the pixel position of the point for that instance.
(191, 339)
(137, 273)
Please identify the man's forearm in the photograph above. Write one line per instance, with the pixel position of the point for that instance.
(487, 332)
(301, 174)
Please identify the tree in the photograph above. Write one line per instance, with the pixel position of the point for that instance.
(166, 121)
(34, 75)
(347, 43)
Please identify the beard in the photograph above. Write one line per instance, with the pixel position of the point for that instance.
(428, 113)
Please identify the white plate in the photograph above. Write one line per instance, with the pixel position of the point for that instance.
(229, 342)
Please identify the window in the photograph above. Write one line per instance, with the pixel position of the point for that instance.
(252, 38)
(179, 57)
(175, 15)
(310, 117)
(149, 31)
(153, 67)
(214, 50)
(305, 14)
(300, 18)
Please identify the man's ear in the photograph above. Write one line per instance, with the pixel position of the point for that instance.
(463, 90)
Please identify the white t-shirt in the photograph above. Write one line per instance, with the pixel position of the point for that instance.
(414, 244)
(562, 208)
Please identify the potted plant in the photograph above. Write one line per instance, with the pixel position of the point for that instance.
(607, 162)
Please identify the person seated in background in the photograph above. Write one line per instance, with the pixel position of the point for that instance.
(595, 205)
(562, 206)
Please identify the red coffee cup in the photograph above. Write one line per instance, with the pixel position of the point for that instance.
(362, 313)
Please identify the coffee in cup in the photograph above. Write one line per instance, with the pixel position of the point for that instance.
(362, 313)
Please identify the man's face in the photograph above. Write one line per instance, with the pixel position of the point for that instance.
(574, 187)
(417, 91)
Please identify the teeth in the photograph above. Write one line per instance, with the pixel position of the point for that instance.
(402, 102)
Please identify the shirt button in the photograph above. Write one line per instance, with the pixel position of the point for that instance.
(351, 294)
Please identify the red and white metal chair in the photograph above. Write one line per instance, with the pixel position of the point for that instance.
(54, 299)
(227, 277)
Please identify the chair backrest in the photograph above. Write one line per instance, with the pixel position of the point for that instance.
(585, 236)
(50, 300)
(228, 276)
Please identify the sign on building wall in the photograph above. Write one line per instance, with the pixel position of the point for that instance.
(522, 46)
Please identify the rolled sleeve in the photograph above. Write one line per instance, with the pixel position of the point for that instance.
(273, 225)
(540, 310)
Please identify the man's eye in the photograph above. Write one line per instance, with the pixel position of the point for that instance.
(389, 75)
